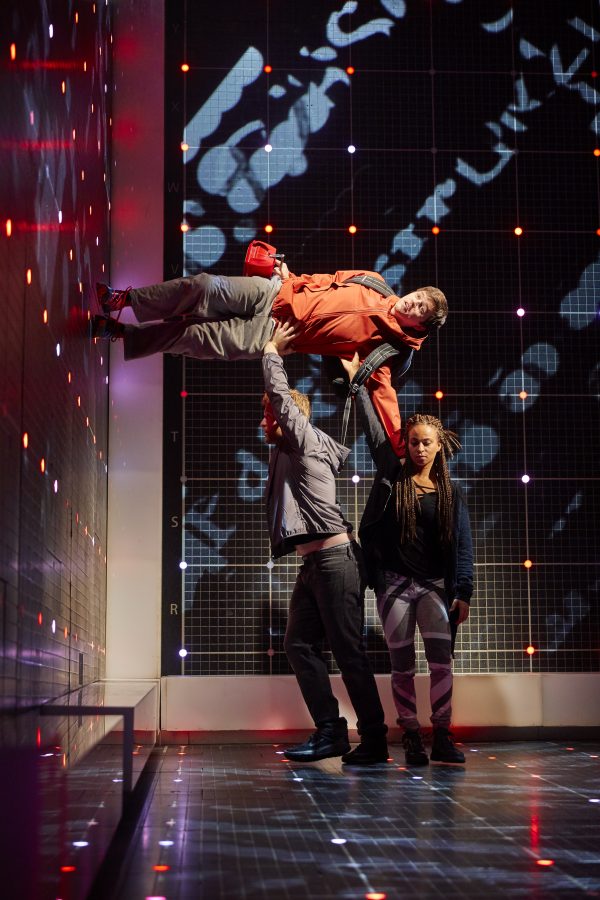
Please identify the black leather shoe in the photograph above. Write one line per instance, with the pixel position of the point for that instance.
(107, 329)
(414, 751)
(111, 300)
(369, 752)
(330, 739)
(443, 748)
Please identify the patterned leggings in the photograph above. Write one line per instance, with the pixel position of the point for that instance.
(402, 605)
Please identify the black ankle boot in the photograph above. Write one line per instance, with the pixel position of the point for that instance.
(414, 751)
(330, 739)
(444, 749)
(371, 750)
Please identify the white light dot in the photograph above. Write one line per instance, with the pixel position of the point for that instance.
(183, 652)
(525, 479)
(60, 215)
(178, 780)
(80, 844)
(58, 349)
(51, 30)
(166, 843)
(351, 148)
(356, 479)
(302, 779)
(183, 564)
(56, 487)
(270, 564)
(338, 840)
(520, 311)
(594, 800)
(117, 780)
(268, 148)
(53, 626)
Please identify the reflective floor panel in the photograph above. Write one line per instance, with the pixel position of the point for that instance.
(238, 821)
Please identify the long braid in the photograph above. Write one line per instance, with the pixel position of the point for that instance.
(404, 490)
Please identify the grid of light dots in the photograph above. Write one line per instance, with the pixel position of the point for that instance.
(32, 443)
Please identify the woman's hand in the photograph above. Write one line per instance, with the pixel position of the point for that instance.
(281, 269)
(463, 611)
(282, 338)
(351, 366)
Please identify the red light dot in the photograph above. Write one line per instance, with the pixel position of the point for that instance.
(38, 737)
(25, 440)
(183, 394)
(68, 869)
(545, 862)
(161, 868)
(185, 67)
(40, 619)
(350, 70)
(594, 74)
(268, 69)
(435, 229)
(531, 650)
(528, 564)
(8, 227)
(518, 231)
(268, 229)
(439, 395)
(352, 229)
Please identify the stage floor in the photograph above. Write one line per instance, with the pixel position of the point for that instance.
(237, 821)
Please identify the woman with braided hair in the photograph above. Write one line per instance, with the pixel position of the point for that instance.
(417, 545)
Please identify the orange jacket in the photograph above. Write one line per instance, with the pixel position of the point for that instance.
(339, 320)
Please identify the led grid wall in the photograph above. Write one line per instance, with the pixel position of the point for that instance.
(436, 129)
(54, 96)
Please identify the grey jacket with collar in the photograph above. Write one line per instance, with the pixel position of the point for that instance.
(300, 495)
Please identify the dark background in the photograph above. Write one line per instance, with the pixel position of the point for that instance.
(491, 109)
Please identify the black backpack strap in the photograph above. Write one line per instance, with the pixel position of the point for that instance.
(374, 360)
(369, 281)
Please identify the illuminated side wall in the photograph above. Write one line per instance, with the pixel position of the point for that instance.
(53, 397)
(437, 130)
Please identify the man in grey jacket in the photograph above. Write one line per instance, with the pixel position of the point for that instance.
(328, 597)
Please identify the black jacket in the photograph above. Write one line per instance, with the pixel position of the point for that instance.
(458, 558)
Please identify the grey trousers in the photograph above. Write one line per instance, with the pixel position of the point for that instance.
(223, 317)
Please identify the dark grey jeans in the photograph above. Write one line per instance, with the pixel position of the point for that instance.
(328, 603)
(218, 317)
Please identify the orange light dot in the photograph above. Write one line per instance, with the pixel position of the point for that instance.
(45, 317)
(185, 67)
(528, 564)
(63, 87)
(69, 377)
(161, 868)
(79, 401)
(518, 231)
(523, 395)
(184, 227)
(439, 395)
(597, 152)
(13, 51)
(66, 632)
(352, 229)
(530, 650)
(375, 895)
(268, 69)
(42, 465)
(435, 229)
(184, 146)
(350, 70)
(76, 18)
(8, 227)
(268, 229)
(83, 179)
(545, 862)
(25, 440)
(28, 276)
